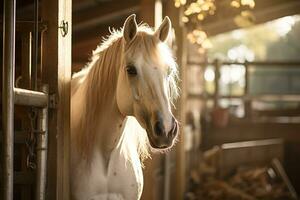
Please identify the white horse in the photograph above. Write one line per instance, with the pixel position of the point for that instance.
(127, 88)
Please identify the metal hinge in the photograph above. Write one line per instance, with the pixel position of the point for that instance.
(64, 28)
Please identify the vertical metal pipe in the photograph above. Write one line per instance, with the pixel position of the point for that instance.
(35, 45)
(9, 19)
(42, 146)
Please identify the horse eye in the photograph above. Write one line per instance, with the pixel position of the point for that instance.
(131, 70)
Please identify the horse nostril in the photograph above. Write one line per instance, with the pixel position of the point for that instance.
(159, 128)
(173, 132)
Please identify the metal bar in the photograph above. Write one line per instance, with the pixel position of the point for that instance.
(35, 45)
(30, 98)
(42, 146)
(9, 19)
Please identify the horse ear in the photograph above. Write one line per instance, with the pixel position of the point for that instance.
(130, 28)
(164, 29)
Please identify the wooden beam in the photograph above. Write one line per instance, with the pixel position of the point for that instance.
(56, 54)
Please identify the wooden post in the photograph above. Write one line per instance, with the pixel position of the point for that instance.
(247, 102)
(181, 55)
(56, 55)
(217, 82)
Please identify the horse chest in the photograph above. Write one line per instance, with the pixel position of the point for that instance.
(125, 176)
(120, 177)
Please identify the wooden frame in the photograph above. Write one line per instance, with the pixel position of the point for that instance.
(56, 56)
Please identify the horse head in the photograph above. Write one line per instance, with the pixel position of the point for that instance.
(147, 82)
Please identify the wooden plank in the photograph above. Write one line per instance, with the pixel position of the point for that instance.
(56, 53)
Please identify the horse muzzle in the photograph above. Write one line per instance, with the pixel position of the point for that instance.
(160, 138)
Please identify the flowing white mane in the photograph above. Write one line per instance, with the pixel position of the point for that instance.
(100, 78)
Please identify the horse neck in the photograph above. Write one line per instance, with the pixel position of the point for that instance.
(107, 126)
(100, 120)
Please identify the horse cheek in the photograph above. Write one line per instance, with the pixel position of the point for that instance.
(124, 99)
